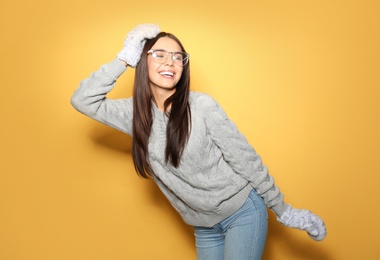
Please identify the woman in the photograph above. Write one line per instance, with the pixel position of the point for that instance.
(187, 144)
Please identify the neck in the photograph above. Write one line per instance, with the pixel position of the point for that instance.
(160, 96)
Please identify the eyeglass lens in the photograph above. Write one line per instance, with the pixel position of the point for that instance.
(179, 58)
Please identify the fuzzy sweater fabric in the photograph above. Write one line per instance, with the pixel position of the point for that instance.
(218, 168)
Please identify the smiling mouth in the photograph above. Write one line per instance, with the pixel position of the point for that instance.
(167, 74)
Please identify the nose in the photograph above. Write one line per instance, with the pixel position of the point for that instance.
(169, 60)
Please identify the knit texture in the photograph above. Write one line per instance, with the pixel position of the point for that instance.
(304, 220)
(135, 41)
(218, 167)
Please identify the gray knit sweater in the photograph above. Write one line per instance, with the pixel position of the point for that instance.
(218, 167)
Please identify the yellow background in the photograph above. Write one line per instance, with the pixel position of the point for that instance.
(299, 78)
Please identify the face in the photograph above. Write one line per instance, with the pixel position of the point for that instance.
(164, 76)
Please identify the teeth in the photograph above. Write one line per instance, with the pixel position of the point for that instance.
(167, 73)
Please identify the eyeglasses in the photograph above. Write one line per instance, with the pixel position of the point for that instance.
(179, 58)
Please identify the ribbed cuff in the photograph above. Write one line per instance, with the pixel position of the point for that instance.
(116, 68)
(280, 208)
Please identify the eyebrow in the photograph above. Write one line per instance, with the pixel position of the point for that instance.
(167, 51)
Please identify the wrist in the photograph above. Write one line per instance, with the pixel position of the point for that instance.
(280, 208)
(126, 64)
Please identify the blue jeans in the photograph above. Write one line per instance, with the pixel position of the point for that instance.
(241, 236)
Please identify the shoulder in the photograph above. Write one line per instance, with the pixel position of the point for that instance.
(206, 106)
(199, 99)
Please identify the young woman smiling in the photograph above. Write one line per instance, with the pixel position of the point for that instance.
(186, 143)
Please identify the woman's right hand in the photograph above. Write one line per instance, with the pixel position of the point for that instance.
(134, 43)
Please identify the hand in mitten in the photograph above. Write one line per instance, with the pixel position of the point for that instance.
(134, 43)
(305, 220)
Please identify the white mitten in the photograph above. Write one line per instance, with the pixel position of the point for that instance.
(134, 43)
(305, 220)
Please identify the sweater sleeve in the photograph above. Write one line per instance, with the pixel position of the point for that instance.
(90, 98)
(241, 156)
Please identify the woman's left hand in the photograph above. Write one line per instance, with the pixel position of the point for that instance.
(305, 220)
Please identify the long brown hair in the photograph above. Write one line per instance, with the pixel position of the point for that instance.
(179, 123)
